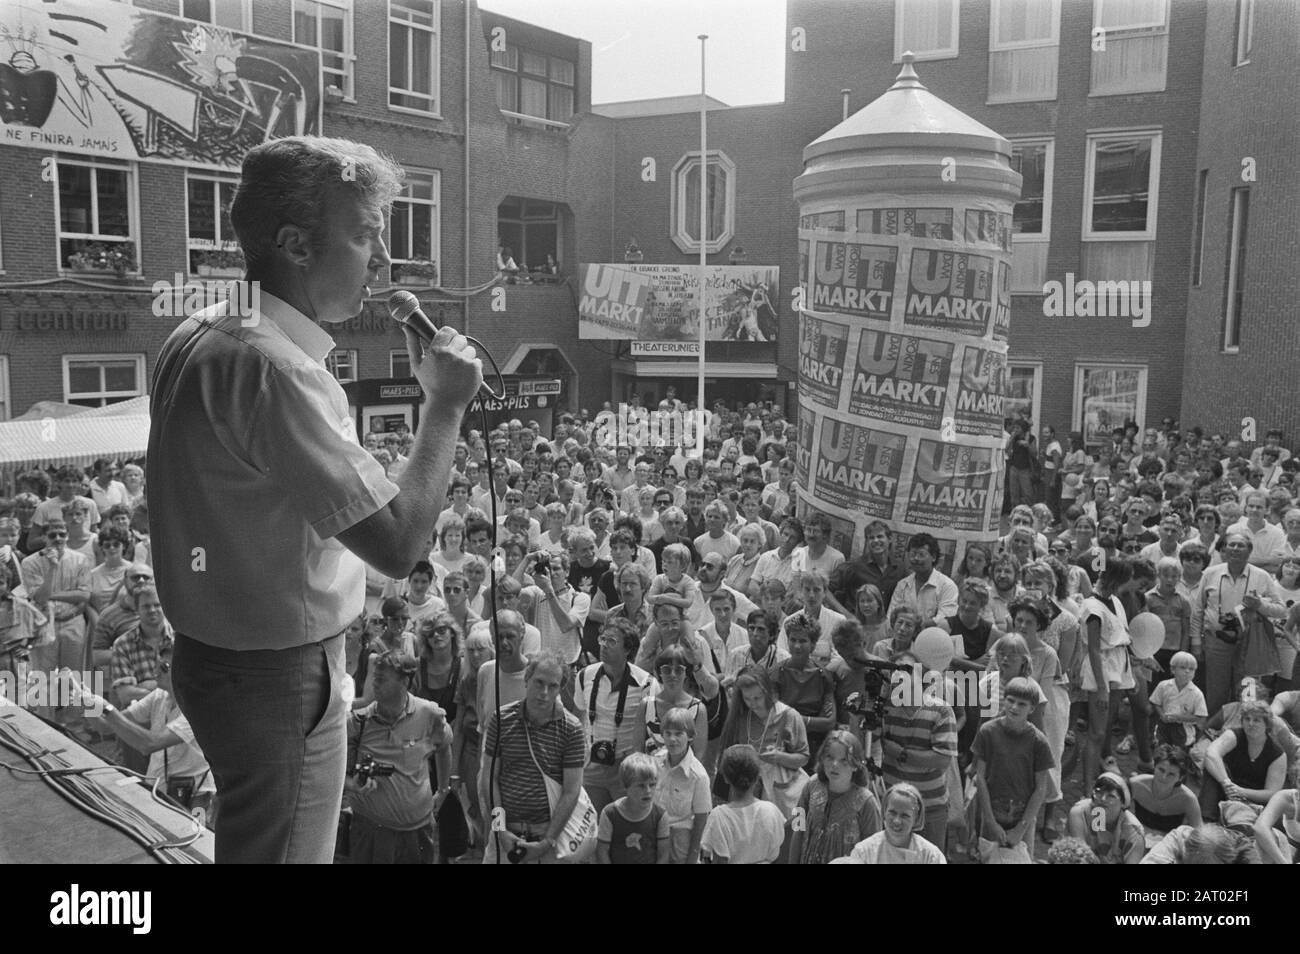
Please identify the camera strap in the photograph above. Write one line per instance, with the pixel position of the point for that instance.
(622, 698)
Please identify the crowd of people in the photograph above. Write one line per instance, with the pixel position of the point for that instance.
(622, 653)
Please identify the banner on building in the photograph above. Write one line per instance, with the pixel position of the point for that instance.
(103, 79)
(662, 302)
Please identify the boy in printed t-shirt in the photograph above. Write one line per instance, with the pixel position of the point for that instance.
(633, 830)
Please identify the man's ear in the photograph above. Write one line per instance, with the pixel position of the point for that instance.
(294, 242)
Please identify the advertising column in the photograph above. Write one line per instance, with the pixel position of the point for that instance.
(905, 255)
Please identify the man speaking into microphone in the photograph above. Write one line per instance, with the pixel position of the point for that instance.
(264, 505)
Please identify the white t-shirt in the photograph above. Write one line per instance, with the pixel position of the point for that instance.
(182, 760)
(751, 835)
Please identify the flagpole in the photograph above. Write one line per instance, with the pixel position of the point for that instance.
(704, 192)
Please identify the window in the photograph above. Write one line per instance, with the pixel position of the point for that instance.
(327, 26)
(96, 214)
(1121, 183)
(342, 363)
(926, 27)
(1032, 215)
(213, 249)
(5, 413)
(531, 84)
(1031, 219)
(1245, 31)
(1234, 284)
(232, 14)
(530, 229)
(1024, 39)
(94, 380)
(1130, 52)
(720, 202)
(1106, 397)
(399, 364)
(413, 54)
(1198, 226)
(414, 228)
(1024, 390)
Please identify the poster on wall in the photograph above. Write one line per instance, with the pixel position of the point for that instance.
(901, 378)
(823, 346)
(858, 467)
(105, 79)
(662, 302)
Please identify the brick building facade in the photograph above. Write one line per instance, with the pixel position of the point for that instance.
(1115, 140)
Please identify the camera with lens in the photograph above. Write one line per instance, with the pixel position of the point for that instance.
(367, 768)
(872, 701)
(1229, 627)
(602, 752)
(542, 565)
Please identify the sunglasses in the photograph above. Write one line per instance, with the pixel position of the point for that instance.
(672, 670)
(55, 534)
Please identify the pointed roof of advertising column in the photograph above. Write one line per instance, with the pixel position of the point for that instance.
(907, 109)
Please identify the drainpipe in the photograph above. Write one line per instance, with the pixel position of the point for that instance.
(469, 20)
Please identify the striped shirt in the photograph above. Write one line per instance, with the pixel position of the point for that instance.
(558, 744)
(922, 729)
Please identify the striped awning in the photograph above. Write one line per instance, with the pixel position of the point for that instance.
(79, 440)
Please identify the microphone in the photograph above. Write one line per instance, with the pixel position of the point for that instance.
(405, 309)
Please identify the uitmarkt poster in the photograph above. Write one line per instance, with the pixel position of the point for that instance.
(858, 467)
(902, 365)
(901, 378)
(823, 346)
(662, 302)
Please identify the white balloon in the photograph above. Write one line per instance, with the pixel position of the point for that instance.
(933, 648)
(1147, 631)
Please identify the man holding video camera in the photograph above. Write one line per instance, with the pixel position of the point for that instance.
(389, 744)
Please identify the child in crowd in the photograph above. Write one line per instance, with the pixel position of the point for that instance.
(1174, 611)
(1178, 705)
(837, 808)
(633, 830)
(729, 634)
(672, 586)
(899, 843)
(682, 791)
(760, 650)
(1012, 759)
(772, 597)
(746, 830)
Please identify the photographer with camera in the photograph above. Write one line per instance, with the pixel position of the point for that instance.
(387, 786)
(525, 744)
(557, 609)
(1226, 589)
(614, 691)
(153, 725)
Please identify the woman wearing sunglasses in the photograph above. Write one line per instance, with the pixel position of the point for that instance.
(671, 667)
